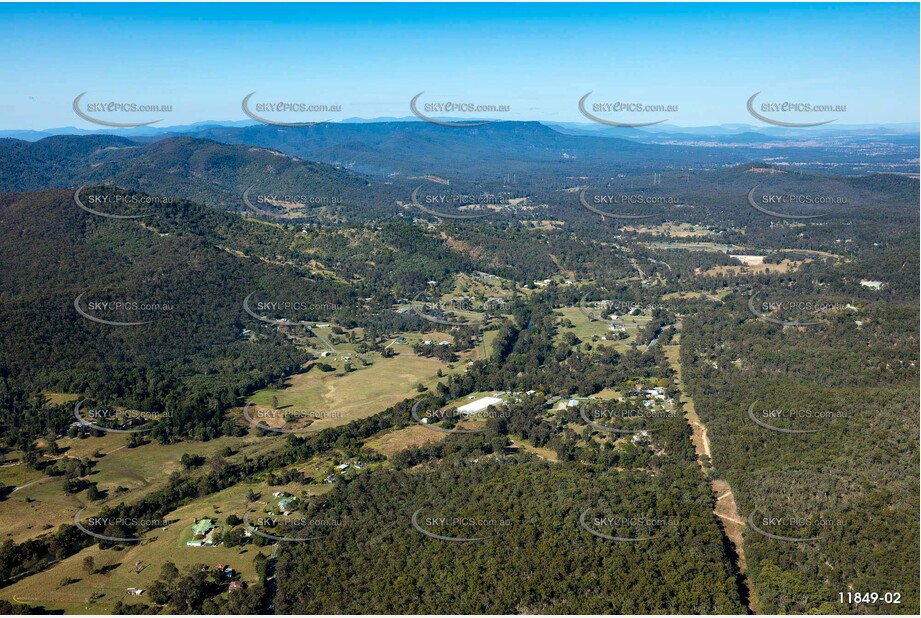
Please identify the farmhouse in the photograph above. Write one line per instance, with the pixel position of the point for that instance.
(202, 533)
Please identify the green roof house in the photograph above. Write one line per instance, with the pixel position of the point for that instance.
(201, 533)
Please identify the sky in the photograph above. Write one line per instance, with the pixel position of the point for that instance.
(706, 60)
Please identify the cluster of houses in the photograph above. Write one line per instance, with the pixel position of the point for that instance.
(285, 503)
(342, 469)
(542, 283)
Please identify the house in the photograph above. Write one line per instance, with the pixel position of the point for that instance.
(202, 533)
(342, 467)
(237, 585)
(134, 591)
(641, 437)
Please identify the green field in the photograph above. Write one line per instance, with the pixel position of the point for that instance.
(585, 329)
(119, 569)
(41, 505)
(339, 398)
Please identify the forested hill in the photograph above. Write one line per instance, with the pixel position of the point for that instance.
(200, 170)
(183, 269)
(188, 291)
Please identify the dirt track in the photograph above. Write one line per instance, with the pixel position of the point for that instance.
(726, 509)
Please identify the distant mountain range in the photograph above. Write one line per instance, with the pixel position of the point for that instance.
(369, 163)
(660, 130)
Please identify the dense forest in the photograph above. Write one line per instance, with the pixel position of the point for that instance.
(849, 385)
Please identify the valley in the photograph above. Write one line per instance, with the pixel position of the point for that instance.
(491, 397)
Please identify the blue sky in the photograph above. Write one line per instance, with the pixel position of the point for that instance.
(538, 59)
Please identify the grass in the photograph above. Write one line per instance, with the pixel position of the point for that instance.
(43, 506)
(393, 442)
(692, 246)
(58, 398)
(117, 569)
(675, 230)
(784, 266)
(585, 329)
(339, 398)
(543, 453)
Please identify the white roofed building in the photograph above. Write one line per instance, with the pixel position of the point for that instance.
(479, 405)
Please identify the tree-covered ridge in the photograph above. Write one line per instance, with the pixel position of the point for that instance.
(198, 170)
